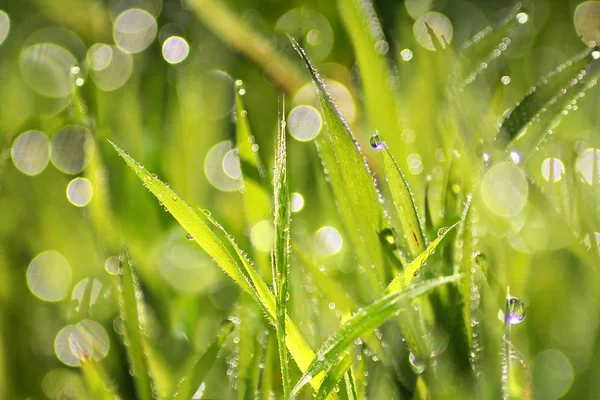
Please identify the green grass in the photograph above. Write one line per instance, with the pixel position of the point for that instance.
(447, 241)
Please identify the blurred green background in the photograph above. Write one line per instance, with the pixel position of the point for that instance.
(158, 78)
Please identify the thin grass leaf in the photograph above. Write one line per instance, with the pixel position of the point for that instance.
(412, 269)
(403, 200)
(334, 376)
(350, 385)
(97, 380)
(365, 320)
(366, 35)
(352, 183)
(239, 268)
(131, 303)
(281, 245)
(549, 92)
(191, 381)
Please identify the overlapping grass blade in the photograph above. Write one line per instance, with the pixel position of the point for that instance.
(403, 200)
(97, 380)
(239, 267)
(363, 321)
(191, 381)
(352, 183)
(334, 376)
(281, 245)
(549, 93)
(131, 309)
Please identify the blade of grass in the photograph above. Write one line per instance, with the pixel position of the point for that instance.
(240, 269)
(130, 302)
(403, 200)
(191, 381)
(352, 183)
(281, 244)
(365, 320)
(97, 380)
(228, 27)
(334, 376)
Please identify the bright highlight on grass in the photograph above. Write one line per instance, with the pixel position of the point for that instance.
(175, 49)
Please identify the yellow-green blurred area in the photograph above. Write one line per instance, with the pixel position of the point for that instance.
(159, 78)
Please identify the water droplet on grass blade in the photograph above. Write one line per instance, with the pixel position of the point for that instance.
(376, 142)
(417, 365)
(516, 310)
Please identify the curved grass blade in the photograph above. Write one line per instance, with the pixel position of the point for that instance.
(365, 320)
(97, 380)
(239, 269)
(281, 245)
(403, 200)
(412, 269)
(130, 305)
(191, 381)
(334, 376)
(546, 94)
(352, 183)
(364, 29)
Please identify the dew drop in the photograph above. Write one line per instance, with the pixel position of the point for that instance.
(522, 17)
(376, 142)
(417, 365)
(516, 310)
(441, 231)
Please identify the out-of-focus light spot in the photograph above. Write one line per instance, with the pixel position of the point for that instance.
(30, 152)
(585, 19)
(552, 169)
(215, 171)
(342, 97)
(61, 381)
(297, 201)
(112, 265)
(79, 192)
(585, 165)
(231, 164)
(134, 30)
(552, 374)
(46, 68)
(515, 156)
(595, 54)
(415, 165)
(382, 47)
(175, 49)
(310, 28)
(262, 234)
(111, 67)
(439, 155)
(522, 17)
(505, 80)
(169, 30)
(406, 54)
(67, 149)
(49, 276)
(87, 340)
(79, 291)
(304, 123)
(504, 189)
(4, 26)
(117, 7)
(416, 8)
(187, 268)
(408, 136)
(328, 241)
(441, 26)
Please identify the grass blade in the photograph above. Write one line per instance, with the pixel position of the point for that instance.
(365, 320)
(130, 302)
(97, 380)
(281, 245)
(403, 200)
(334, 376)
(240, 268)
(352, 183)
(191, 381)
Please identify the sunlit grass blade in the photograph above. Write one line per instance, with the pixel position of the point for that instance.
(239, 268)
(404, 203)
(549, 92)
(363, 321)
(403, 279)
(281, 244)
(131, 309)
(191, 381)
(366, 34)
(97, 380)
(334, 376)
(352, 183)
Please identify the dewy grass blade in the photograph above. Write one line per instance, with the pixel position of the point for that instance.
(238, 268)
(334, 376)
(191, 381)
(131, 308)
(403, 200)
(281, 245)
(352, 183)
(365, 320)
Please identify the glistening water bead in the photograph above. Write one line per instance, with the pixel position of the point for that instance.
(516, 310)
(376, 142)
